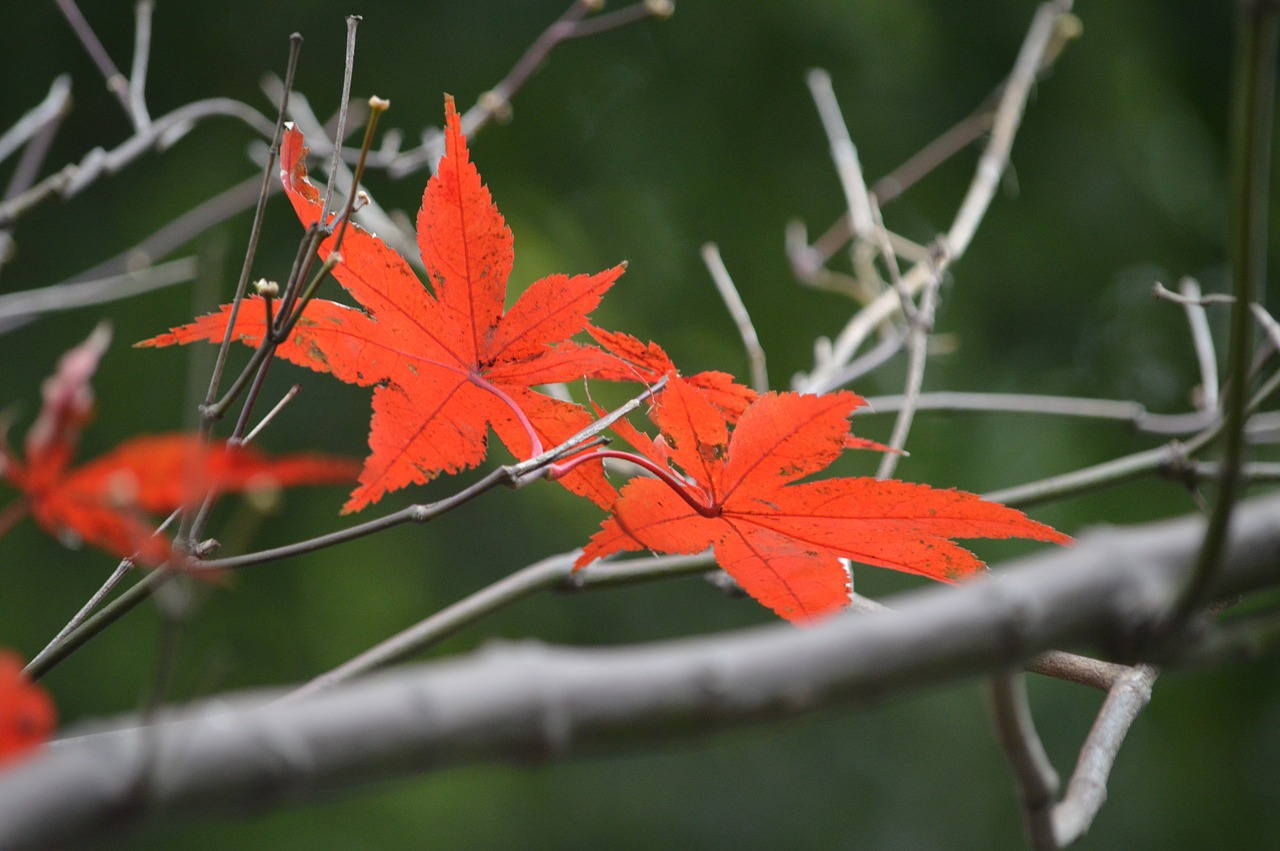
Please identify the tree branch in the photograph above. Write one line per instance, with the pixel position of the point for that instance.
(514, 703)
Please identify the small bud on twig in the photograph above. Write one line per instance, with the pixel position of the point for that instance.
(268, 289)
(496, 105)
(660, 8)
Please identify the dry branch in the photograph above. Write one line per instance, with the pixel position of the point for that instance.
(516, 703)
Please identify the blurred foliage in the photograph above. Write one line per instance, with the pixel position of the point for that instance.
(641, 144)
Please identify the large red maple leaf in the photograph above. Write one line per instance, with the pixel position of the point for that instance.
(108, 502)
(450, 363)
(783, 540)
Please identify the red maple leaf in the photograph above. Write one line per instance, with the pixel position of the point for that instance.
(647, 362)
(449, 364)
(27, 715)
(782, 540)
(108, 501)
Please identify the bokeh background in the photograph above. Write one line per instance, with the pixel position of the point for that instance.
(641, 144)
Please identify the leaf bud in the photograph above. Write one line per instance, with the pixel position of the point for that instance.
(660, 8)
(496, 105)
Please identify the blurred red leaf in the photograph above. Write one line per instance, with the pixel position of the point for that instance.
(27, 714)
(108, 501)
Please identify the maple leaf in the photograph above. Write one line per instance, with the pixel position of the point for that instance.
(27, 714)
(448, 364)
(106, 502)
(647, 362)
(782, 540)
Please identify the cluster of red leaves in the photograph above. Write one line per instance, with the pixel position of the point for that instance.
(109, 502)
(27, 715)
(449, 364)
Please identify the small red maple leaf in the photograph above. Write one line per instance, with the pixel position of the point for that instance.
(738, 493)
(450, 363)
(27, 714)
(108, 501)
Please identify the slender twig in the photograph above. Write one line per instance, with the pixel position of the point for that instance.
(517, 586)
(1202, 343)
(255, 230)
(57, 651)
(862, 365)
(981, 191)
(1134, 413)
(843, 153)
(1268, 323)
(1193, 473)
(271, 414)
(917, 354)
(1160, 291)
(495, 103)
(19, 307)
(348, 69)
(54, 105)
(1033, 774)
(951, 142)
(738, 312)
(1087, 789)
(511, 475)
(116, 82)
(75, 177)
(33, 156)
(552, 573)
(1254, 107)
(1172, 456)
(138, 71)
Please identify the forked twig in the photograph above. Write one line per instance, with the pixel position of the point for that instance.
(976, 201)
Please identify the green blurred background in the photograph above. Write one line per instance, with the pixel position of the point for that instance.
(641, 144)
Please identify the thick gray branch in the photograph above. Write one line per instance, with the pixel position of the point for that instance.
(517, 703)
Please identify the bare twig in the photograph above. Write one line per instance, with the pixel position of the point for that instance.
(1268, 323)
(1033, 774)
(511, 475)
(41, 659)
(843, 153)
(271, 414)
(496, 102)
(255, 230)
(54, 105)
(1087, 789)
(955, 139)
(917, 353)
(981, 191)
(741, 318)
(116, 82)
(1057, 406)
(163, 131)
(348, 69)
(1160, 291)
(138, 72)
(17, 308)
(862, 365)
(1202, 342)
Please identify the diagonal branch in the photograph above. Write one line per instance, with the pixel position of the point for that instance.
(512, 702)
